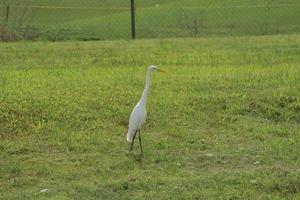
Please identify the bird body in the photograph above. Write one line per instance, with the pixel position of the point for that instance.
(137, 120)
(139, 114)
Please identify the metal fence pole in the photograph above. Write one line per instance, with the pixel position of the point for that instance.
(7, 14)
(132, 20)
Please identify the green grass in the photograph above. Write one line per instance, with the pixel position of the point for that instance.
(94, 20)
(223, 123)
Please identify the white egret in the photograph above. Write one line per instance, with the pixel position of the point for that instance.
(139, 114)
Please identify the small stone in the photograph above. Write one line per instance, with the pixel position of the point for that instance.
(132, 178)
(44, 190)
(209, 154)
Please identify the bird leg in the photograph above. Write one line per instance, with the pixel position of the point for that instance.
(140, 139)
(133, 141)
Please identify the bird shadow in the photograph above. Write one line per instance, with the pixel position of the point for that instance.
(135, 156)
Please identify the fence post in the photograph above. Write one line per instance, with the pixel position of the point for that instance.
(132, 20)
(7, 14)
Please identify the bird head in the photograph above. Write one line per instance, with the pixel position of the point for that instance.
(154, 68)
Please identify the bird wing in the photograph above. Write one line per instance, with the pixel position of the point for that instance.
(136, 121)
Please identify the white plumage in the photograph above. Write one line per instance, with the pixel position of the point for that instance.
(137, 120)
(139, 113)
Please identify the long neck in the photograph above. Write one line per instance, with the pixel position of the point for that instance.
(146, 89)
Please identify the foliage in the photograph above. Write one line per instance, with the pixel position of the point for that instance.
(223, 121)
(58, 20)
(15, 17)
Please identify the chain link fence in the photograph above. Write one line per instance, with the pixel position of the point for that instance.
(111, 19)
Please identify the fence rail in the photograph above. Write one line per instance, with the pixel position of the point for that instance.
(115, 19)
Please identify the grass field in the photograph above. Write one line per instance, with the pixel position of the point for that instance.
(94, 20)
(223, 122)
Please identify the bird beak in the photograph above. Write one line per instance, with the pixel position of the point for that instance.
(160, 70)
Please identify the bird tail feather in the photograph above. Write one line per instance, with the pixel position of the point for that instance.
(130, 135)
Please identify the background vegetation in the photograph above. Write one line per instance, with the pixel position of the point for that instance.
(223, 122)
(98, 20)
